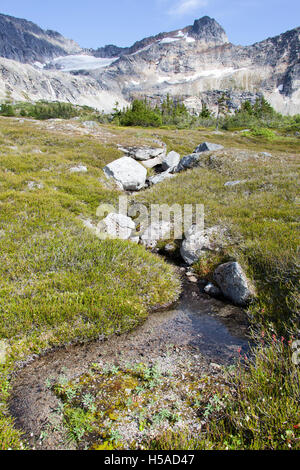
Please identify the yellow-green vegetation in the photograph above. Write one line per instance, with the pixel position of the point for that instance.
(261, 411)
(261, 213)
(251, 406)
(126, 408)
(58, 282)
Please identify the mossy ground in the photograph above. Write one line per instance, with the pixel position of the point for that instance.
(127, 408)
(60, 284)
(252, 405)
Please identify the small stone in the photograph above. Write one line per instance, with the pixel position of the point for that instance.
(160, 177)
(152, 162)
(32, 185)
(78, 169)
(198, 242)
(144, 153)
(212, 290)
(3, 351)
(234, 183)
(189, 274)
(170, 247)
(266, 154)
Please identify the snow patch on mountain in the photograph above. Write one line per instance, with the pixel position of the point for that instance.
(71, 63)
(214, 73)
(168, 40)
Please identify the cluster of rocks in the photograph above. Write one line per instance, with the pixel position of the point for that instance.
(130, 171)
(130, 174)
(229, 279)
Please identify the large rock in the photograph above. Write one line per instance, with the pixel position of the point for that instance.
(199, 241)
(152, 162)
(234, 283)
(187, 162)
(155, 232)
(171, 161)
(128, 174)
(117, 226)
(208, 147)
(144, 153)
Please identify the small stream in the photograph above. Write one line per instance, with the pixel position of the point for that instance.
(198, 330)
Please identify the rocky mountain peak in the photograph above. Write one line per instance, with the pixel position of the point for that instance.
(209, 30)
(25, 42)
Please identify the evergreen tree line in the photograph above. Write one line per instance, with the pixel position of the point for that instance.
(174, 113)
(43, 110)
(170, 113)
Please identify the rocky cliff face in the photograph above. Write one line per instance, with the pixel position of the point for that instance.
(205, 29)
(25, 42)
(197, 63)
(22, 82)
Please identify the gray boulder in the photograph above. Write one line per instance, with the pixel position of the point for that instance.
(234, 283)
(171, 161)
(208, 147)
(187, 162)
(198, 242)
(160, 177)
(128, 173)
(152, 162)
(144, 153)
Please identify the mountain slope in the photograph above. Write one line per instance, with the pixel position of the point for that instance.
(22, 82)
(26, 42)
(194, 64)
(202, 69)
(206, 29)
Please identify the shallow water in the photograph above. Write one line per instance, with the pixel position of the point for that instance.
(198, 331)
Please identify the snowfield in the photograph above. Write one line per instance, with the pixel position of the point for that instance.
(71, 63)
(214, 73)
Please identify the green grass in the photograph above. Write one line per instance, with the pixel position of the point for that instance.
(261, 215)
(261, 411)
(59, 283)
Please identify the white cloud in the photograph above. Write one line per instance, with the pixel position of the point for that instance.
(183, 7)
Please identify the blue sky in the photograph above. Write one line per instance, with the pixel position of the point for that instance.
(93, 23)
